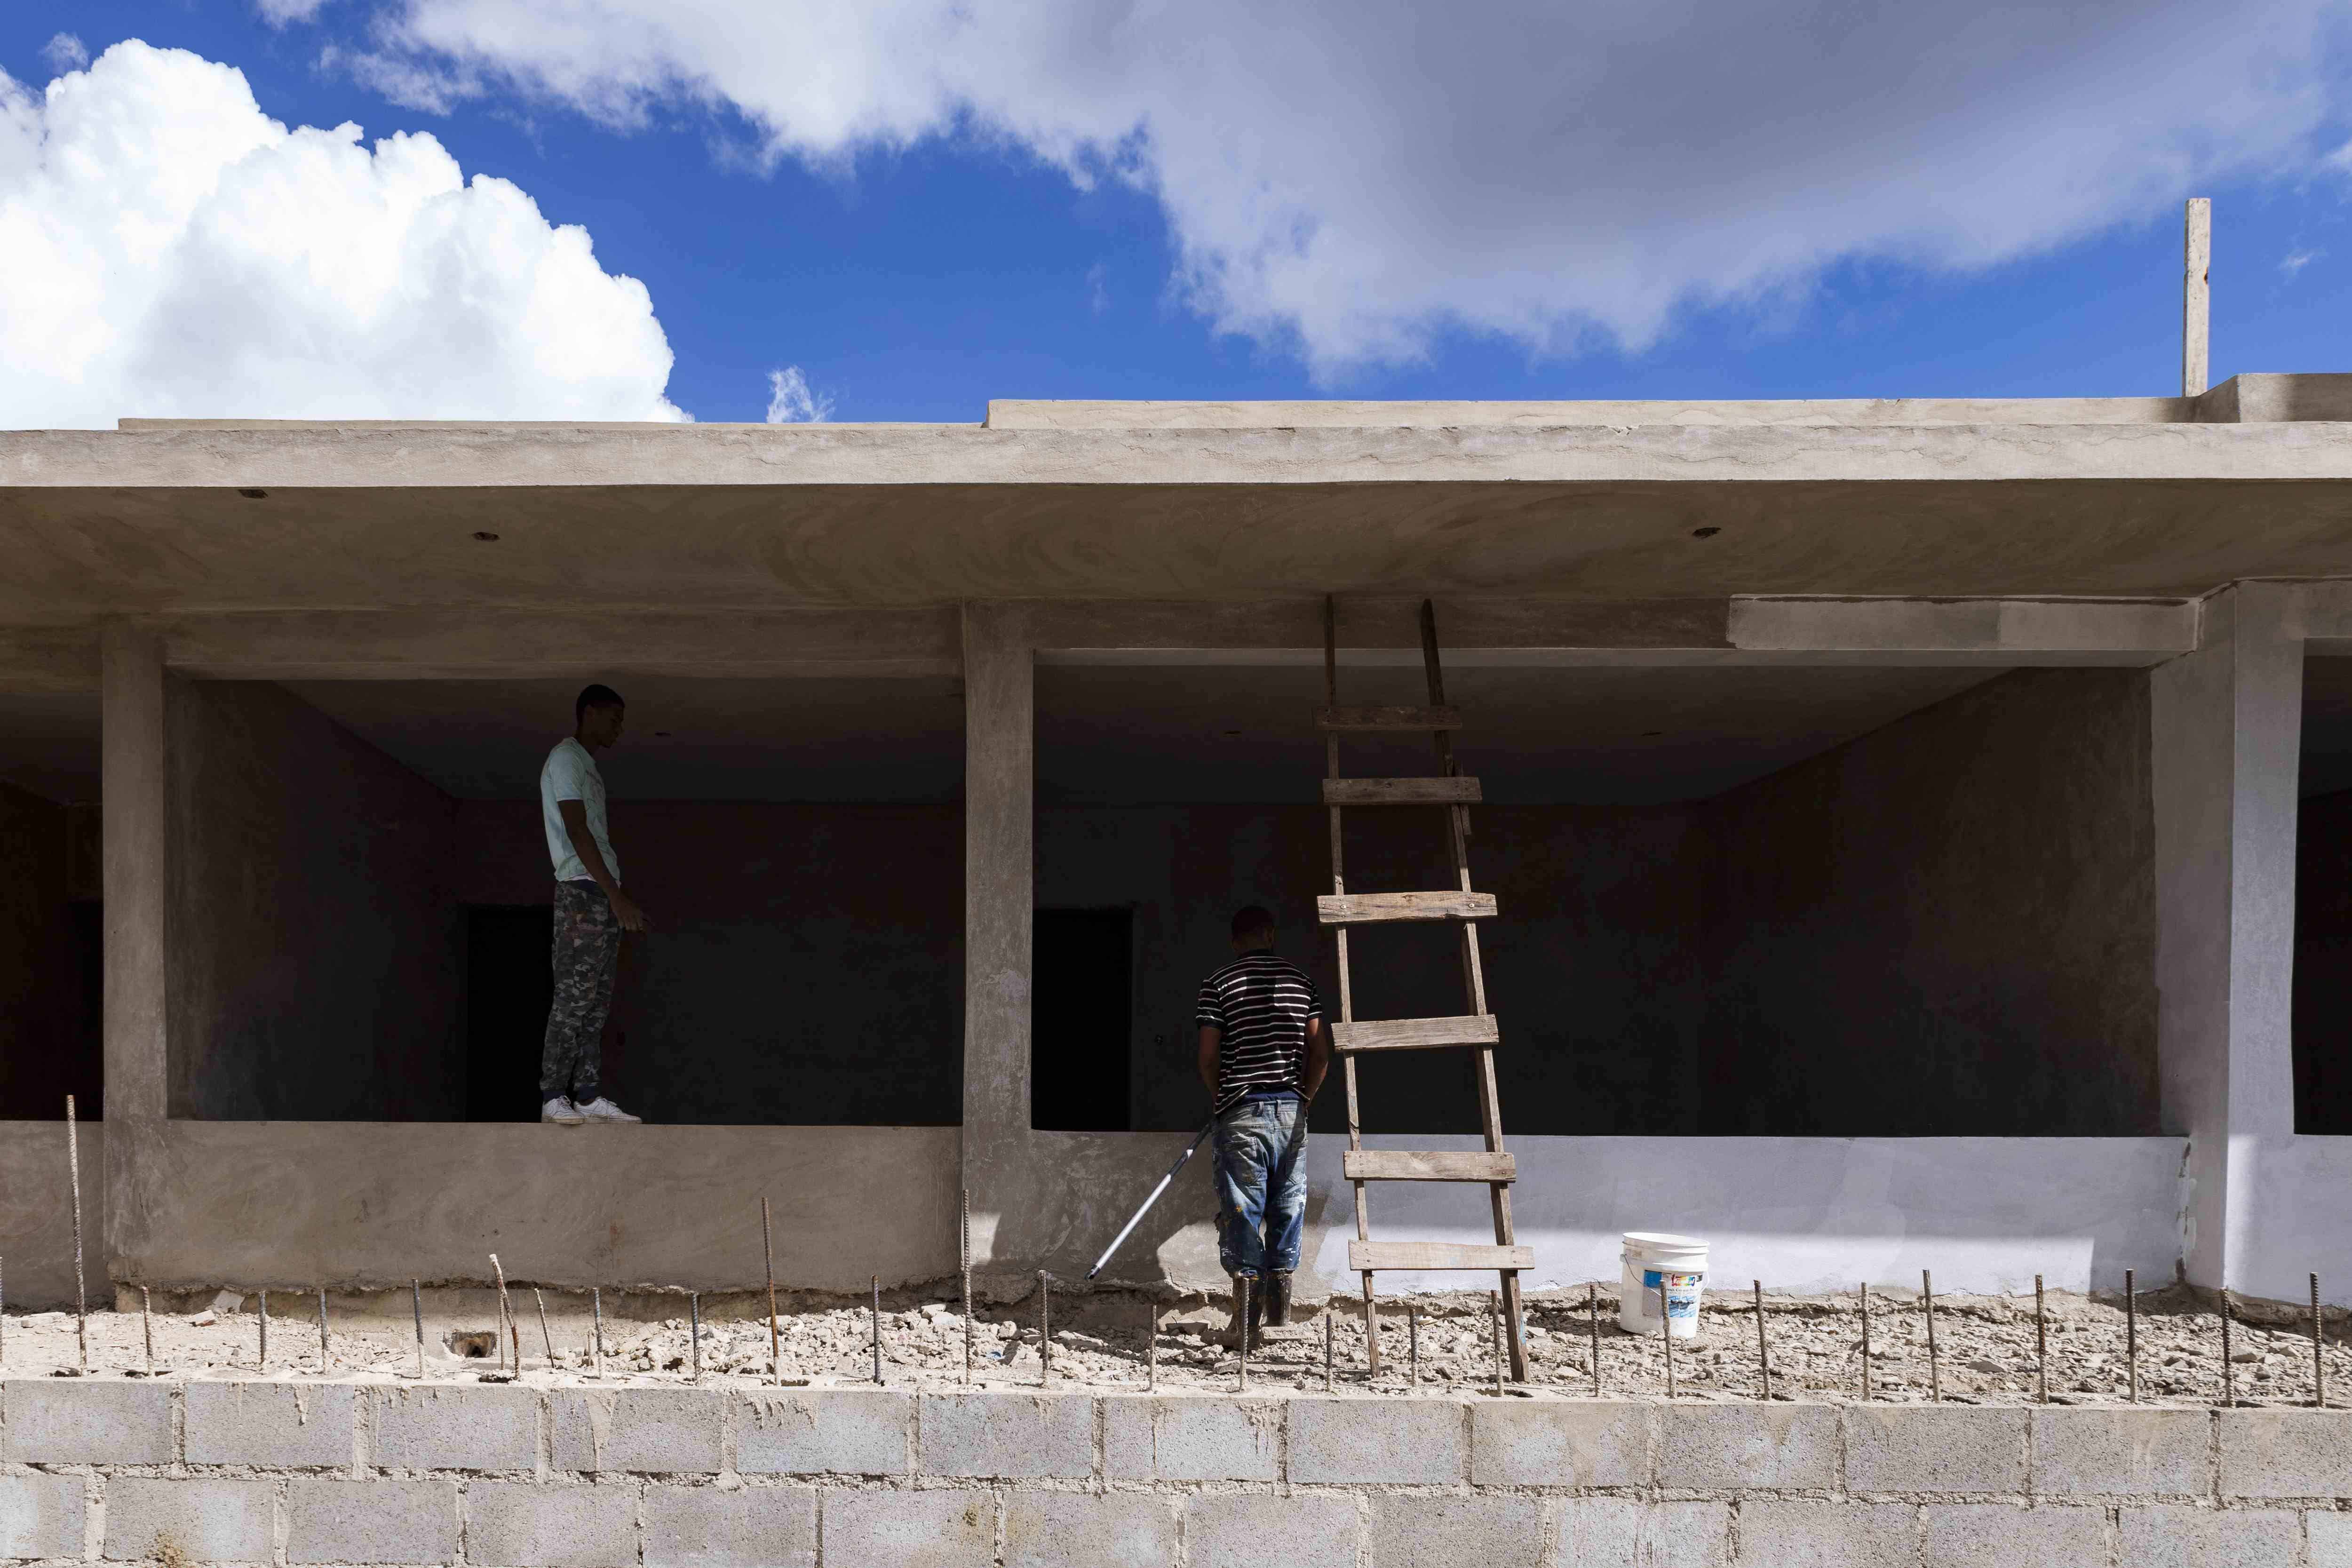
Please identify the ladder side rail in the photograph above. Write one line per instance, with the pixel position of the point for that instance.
(1347, 996)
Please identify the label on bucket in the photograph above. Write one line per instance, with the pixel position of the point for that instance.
(1681, 1291)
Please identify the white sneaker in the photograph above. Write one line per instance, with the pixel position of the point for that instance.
(602, 1109)
(562, 1111)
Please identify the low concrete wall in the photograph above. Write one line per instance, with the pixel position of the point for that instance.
(36, 1213)
(2295, 1221)
(376, 1204)
(574, 1477)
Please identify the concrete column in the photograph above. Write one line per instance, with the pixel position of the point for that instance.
(2226, 727)
(133, 809)
(999, 780)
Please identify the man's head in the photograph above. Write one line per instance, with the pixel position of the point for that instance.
(1252, 928)
(597, 714)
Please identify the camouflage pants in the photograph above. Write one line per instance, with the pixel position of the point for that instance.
(587, 949)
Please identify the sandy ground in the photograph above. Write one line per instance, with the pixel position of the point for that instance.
(1987, 1348)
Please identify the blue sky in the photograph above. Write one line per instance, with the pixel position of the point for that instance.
(917, 281)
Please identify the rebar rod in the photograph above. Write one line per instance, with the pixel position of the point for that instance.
(546, 1336)
(694, 1329)
(325, 1356)
(1865, 1341)
(1927, 1304)
(2131, 1336)
(2319, 1363)
(1763, 1350)
(775, 1333)
(417, 1309)
(73, 1169)
(2041, 1343)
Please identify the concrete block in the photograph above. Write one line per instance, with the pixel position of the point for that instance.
(1355, 1440)
(1561, 1443)
(2286, 1453)
(2004, 1535)
(840, 1432)
(2180, 1535)
(662, 1430)
(908, 1529)
(41, 1516)
(1788, 1447)
(286, 1425)
(2331, 1537)
(58, 1421)
(1934, 1448)
(1791, 1534)
(461, 1427)
(371, 1521)
(1010, 1435)
(1251, 1530)
(1192, 1438)
(1115, 1529)
(2091, 1452)
(521, 1525)
(1502, 1532)
(742, 1527)
(205, 1520)
(1626, 1532)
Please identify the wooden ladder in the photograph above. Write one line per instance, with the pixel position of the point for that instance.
(1476, 1031)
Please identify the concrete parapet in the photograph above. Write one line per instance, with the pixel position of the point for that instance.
(1016, 1436)
(1378, 1440)
(845, 1432)
(1561, 1443)
(1148, 1438)
(86, 1423)
(211, 1520)
(1723, 1447)
(371, 1521)
(454, 1427)
(654, 1430)
(909, 1530)
(2091, 1452)
(742, 1527)
(1935, 1449)
(286, 1425)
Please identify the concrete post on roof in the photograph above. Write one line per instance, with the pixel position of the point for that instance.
(2226, 730)
(134, 813)
(2196, 296)
(1000, 776)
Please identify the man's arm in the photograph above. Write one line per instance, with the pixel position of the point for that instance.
(1319, 1054)
(1211, 1036)
(592, 860)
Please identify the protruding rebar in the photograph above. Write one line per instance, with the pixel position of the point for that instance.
(596, 1328)
(967, 1285)
(1865, 1341)
(1666, 1333)
(1413, 1344)
(546, 1336)
(2318, 1364)
(1593, 1319)
(1495, 1324)
(498, 1270)
(1329, 1354)
(1045, 1330)
(2229, 1369)
(4, 1318)
(1241, 1333)
(694, 1329)
(775, 1333)
(1763, 1350)
(877, 1320)
(326, 1359)
(265, 1331)
(147, 1327)
(417, 1309)
(2041, 1344)
(2131, 1336)
(73, 1169)
(1927, 1305)
(1150, 1343)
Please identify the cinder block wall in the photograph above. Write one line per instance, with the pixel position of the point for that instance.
(323, 1472)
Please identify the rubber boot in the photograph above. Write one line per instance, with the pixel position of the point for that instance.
(1257, 1312)
(1277, 1300)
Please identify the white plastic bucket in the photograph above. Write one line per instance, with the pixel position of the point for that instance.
(1678, 1262)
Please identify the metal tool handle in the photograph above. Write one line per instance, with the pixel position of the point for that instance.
(1129, 1228)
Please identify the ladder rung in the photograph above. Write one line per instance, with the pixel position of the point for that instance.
(1415, 1034)
(1368, 1256)
(1401, 792)
(1367, 909)
(1388, 718)
(1414, 1166)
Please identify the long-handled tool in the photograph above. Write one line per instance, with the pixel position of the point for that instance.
(1129, 1228)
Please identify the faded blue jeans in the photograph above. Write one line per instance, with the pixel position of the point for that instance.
(1261, 1186)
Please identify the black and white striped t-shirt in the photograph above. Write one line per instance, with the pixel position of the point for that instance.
(1260, 1004)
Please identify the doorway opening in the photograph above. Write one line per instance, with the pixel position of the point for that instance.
(1082, 1007)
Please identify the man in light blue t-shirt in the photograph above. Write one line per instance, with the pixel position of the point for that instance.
(591, 913)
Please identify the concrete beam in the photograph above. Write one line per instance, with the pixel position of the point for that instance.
(1858, 412)
(1000, 804)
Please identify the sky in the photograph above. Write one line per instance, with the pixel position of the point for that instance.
(766, 209)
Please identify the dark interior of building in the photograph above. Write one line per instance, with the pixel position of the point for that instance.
(1800, 900)
(2322, 901)
(50, 933)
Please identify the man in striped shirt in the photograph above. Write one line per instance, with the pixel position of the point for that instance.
(1264, 1051)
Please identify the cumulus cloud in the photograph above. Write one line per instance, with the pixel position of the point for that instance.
(1352, 176)
(64, 52)
(791, 400)
(171, 251)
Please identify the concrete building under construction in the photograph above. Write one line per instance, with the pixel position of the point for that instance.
(1920, 832)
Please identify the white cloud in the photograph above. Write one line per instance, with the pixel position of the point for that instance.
(2294, 261)
(64, 52)
(791, 400)
(278, 12)
(174, 252)
(1350, 177)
